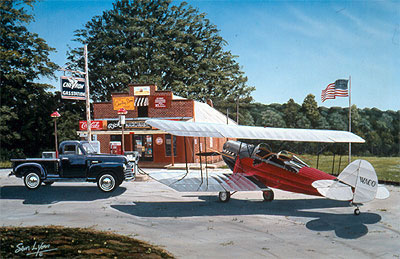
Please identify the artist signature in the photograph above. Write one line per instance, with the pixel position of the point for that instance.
(37, 249)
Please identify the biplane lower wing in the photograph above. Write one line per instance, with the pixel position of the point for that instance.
(216, 181)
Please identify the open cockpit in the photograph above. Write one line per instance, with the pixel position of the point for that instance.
(284, 159)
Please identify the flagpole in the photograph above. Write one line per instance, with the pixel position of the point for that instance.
(349, 116)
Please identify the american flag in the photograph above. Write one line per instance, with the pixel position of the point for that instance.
(339, 88)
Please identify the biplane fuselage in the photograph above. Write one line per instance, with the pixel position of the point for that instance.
(273, 170)
(283, 179)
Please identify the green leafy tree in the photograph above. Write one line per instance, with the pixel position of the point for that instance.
(271, 118)
(302, 121)
(24, 59)
(290, 111)
(310, 109)
(148, 41)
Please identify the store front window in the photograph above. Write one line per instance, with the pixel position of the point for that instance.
(144, 145)
(168, 145)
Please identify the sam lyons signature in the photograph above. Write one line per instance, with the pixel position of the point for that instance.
(36, 250)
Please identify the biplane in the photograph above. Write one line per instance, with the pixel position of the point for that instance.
(257, 168)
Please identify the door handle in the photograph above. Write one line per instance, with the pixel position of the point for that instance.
(64, 159)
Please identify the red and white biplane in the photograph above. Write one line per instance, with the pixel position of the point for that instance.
(257, 168)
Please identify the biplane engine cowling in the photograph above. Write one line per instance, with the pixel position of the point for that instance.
(231, 150)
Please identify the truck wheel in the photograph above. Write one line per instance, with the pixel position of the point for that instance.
(107, 182)
(32, 180)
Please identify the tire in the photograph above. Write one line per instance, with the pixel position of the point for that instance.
(268, 195)
(48, 183)
(357, 212)
(107, 182)
(32, 179)
(224, 196)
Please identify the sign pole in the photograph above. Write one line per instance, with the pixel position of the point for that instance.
(349, 116)
(123, 135)
(122, 112)
(55, 115)
(88, 119)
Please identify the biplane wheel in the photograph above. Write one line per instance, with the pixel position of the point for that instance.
(357, 212)
(224, 196)
(268, 195)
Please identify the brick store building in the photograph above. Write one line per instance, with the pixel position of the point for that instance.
(143, 102)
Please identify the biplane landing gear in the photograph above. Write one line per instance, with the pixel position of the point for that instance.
(224, 196)
(268, 195)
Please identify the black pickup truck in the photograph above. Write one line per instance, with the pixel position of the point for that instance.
(77, 162)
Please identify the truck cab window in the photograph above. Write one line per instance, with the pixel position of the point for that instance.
(69, 150)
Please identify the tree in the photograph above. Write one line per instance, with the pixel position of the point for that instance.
(23, 59)
(310, 110)
(290, 111)
(271, 118)
(148, 41)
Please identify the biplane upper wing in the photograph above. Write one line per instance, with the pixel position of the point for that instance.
(216, 181)
(201, 129)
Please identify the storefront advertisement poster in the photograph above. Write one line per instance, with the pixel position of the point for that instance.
(128, 103)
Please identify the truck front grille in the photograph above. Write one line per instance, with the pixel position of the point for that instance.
(130, 171)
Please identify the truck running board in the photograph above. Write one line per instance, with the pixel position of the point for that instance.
(60, 179)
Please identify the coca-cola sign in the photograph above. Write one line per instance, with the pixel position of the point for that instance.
(73, 88)
(95, 125)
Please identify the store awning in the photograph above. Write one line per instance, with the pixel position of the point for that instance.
(141, 101)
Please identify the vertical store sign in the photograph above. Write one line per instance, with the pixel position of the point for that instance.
(73, 88)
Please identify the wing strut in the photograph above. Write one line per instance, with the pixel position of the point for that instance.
(201, 164)
(187, 168)
(205, 144)
(184, 141)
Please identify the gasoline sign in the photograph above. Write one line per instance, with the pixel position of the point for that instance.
(72, 88)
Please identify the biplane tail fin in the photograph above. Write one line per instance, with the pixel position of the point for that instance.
(357, 183)
(361, 175)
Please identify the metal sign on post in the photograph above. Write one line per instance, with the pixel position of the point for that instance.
(78, 89)
(73, 88)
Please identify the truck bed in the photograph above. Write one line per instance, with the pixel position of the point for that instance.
(51, 164)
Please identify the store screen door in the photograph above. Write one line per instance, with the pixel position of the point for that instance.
(144, 145)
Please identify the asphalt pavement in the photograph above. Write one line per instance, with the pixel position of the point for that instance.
(197, 225)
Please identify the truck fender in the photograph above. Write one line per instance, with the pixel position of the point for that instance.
(43, 173)
(96, 169)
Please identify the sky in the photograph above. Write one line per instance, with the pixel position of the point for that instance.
(287, 49)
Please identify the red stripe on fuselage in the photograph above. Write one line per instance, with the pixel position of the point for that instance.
(277, 177)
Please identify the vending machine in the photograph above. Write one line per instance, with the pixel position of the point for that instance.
(115, 147)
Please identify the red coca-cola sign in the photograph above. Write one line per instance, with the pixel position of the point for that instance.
(95, 125)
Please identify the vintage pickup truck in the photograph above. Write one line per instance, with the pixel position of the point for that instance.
(77, 162)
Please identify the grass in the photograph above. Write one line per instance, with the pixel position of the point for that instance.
(5, 164)
(72, 243)
(387, 168)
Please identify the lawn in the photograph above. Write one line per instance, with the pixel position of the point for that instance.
(57, 242)
(387, 168)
